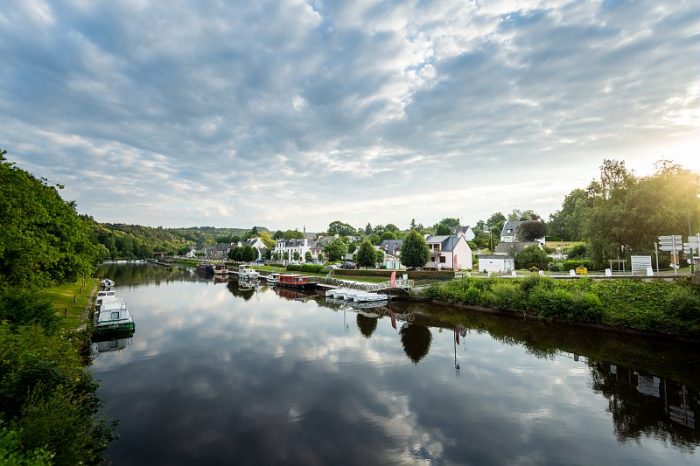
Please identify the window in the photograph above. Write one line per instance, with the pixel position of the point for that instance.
(442, 259)
(115, 315)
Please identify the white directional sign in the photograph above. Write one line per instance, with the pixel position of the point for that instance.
(693, 244)
(671, 243)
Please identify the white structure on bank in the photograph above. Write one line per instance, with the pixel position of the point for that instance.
(496, 263)
(448, 252)
(291, 246)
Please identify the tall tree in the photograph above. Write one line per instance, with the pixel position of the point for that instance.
(414, 252)
(365, 255)
(336, 250)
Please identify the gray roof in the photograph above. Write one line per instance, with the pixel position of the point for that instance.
(462, 229)
(513, 247)
(447, 242)
(390, 246)
(512, 225)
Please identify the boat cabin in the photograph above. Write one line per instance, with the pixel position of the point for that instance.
(295, 281)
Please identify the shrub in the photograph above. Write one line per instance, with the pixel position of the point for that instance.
(312, 268)
(579, 251)
(24, 308)
(12, 451)
(562, 304)
(684, 304)
(573, 263)
(529, 283)
(531, 256)
(293, 267)
(506, 296)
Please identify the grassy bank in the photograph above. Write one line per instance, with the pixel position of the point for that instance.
(69, 301)
(655, 306)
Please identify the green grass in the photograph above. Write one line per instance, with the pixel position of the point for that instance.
(70, 310)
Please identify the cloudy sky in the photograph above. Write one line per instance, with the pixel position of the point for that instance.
(291, 113)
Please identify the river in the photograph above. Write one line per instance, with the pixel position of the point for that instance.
(217, 374)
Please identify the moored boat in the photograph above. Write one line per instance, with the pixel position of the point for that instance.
(295, 281)
(272, 278)
(220, 269)
(247, 272)
(205, 269)
(113, 317)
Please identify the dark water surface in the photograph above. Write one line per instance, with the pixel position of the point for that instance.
(220, 375)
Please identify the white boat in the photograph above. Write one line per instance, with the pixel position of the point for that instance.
(272, 278)
(247, 272)
(107, 283)
(364, 297)
(101, 295)
(99, 304)
(113, 317)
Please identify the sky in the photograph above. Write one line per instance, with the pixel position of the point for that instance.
(292, 114)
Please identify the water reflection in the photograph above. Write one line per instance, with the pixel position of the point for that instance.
(223, 374)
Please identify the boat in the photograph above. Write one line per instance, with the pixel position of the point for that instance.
(295, 281)
(247, 272)
(101, 295)
(112, 318)
(106, 283)
(205, 269)
(364, 297)
(220, 269)
(105, 299)
(272, 278)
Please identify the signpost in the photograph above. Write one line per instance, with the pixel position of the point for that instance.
(672, 244)
(693, 245)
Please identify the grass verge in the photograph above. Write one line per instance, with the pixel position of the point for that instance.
(69, 301)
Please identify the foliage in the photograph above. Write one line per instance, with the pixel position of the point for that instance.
(442, 229)
(378, 256)
(136, 241)
(416, 341)
(308, 257)
(245, 253)
(532, 230)
(22, 307)
(527, 216)
(366, 256)
(13, 453)
(578, 251)
(342, 229)
(266, 238)
(414, 252)
(46, 392)
(570, 264)
(656, 306)
(388, 235)
(567, 223)
(293, 234)
(42, 238)
(531, 256)
(336, 250)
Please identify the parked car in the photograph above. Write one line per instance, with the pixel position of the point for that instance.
(348, 265)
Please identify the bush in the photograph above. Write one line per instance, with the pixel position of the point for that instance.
(573, 263)
(532, 256)
(506, 296)
(12, 452)
(684, 304)
(579, 251)
(18, 307)
(312, 268)
(562, 304)
(294, 268)
(529, 283)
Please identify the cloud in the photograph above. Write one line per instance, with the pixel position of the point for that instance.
(285, 113)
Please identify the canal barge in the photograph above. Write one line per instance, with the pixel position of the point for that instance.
(205, 269)
(247, 272)
(299, 282)
(220, 269)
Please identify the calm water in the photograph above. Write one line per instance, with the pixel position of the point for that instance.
(220, 375)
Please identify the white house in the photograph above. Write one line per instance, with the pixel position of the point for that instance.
(449, 252)
(291, 246)
(496, 263)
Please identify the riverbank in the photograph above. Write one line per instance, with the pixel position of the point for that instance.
(357, 278)
(655, 306)
(70, 301)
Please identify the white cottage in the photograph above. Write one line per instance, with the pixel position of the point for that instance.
(449, 252)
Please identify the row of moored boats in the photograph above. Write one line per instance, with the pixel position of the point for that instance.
(357, 296)
(111, 313)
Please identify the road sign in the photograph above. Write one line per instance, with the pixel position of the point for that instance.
(671, 243)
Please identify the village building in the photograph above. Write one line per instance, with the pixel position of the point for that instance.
(291, 246)
(448, 252)
(496, 263)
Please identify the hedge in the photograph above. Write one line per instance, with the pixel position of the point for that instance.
(412, 274)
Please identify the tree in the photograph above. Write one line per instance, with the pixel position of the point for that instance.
(532, 231)
(296, 255)
(266, 238)
(413, 224)
(378, 256)
(341, 229)
(368, 229)
(42, 238)
(391, 227)
(367, 325)
(416, 341)
(451, 223)
(532, 256)
(308, 257)
(293, 234)
(365, 255)
(414, 252)
(388, 235)
(279, 234)
(320, 256)
(336, 249)
(567, 224)
(443, 229)
(524, 216)
(579, 251)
